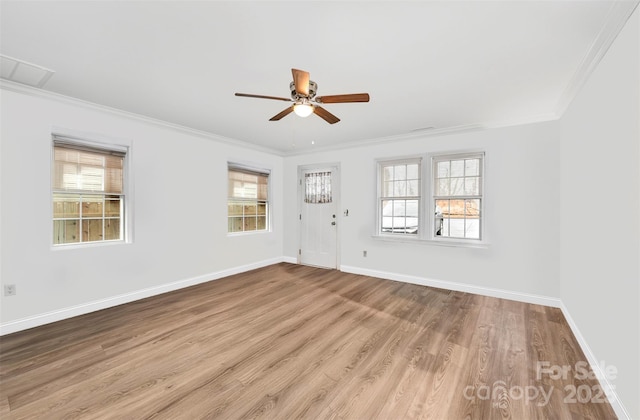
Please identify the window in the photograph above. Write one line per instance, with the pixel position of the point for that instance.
(248, 201)
(88, 193)
(447, 207)
(317, 188)
(457, 196)
(399, 197)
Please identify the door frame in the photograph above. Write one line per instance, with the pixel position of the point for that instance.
(335, 189)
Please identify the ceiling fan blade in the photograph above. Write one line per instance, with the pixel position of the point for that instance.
(325, 115)
(277, 98)
(301, 80)
(282, 114)
(336, 99)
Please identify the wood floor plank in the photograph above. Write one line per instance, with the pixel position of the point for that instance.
(296, 342)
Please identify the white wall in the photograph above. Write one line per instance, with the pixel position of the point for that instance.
(180, 229)
(600, 214)
(521, 208)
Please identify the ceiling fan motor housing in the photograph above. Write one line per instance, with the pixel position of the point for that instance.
(313, 88)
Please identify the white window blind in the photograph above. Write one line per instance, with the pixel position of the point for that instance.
(88, 193)
(248, 199)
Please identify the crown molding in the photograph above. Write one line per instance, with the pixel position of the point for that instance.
(427, 133)
(618, 15)
(68, 100)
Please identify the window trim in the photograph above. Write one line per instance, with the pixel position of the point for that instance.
(426, 217)
(255, 169)
(93, 142)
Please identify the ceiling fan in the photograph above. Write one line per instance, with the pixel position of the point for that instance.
(305, 102)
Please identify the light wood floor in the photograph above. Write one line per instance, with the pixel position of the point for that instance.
(288, 342)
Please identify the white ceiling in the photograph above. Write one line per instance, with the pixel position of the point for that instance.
(446, 64)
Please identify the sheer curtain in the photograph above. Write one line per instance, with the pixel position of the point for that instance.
(317, 188)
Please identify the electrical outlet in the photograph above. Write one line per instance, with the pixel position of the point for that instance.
(364, 253)
(9, 289)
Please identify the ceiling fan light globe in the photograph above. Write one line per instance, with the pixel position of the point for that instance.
(303, 110)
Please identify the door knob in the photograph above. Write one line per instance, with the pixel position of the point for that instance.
(333, 223)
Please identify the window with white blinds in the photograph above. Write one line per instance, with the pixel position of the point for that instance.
(248, 199)
(88, 193)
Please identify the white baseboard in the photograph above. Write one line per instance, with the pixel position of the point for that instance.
(290, 260)
(607, 387)
(459, 287)
(85, 308)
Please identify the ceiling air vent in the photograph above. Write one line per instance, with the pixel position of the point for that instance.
(20, 71)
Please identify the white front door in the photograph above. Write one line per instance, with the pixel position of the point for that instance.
(318, 195)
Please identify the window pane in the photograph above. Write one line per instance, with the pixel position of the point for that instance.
(472, 229)
(111, 229)
(472, 167)
(234, 208)
(442, 207)
(387, 215)
(471, 186)
(387, 207)
(262, 208)
(443, 169)
(472, 208)
(66, 231)
(456, 208)
(457, 168)
(249, 223)
(398, 223)
(442, 186)
(112, 206)
(92, 205)
(388, 189)
(262, 223)
(412, 171)
(387, 173)
(457, 186)
(65, 206)
(400, 172)
(235, 224)
(456, 228)
(250, 209)
(412, 188)
(91, 230)
(445, 227)
(399, 208)
(400, 188)
(411, 208)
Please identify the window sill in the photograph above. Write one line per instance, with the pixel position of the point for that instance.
(86, 245)
(455, 243)
(248, 233)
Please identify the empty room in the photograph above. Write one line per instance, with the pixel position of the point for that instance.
(320, 209)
